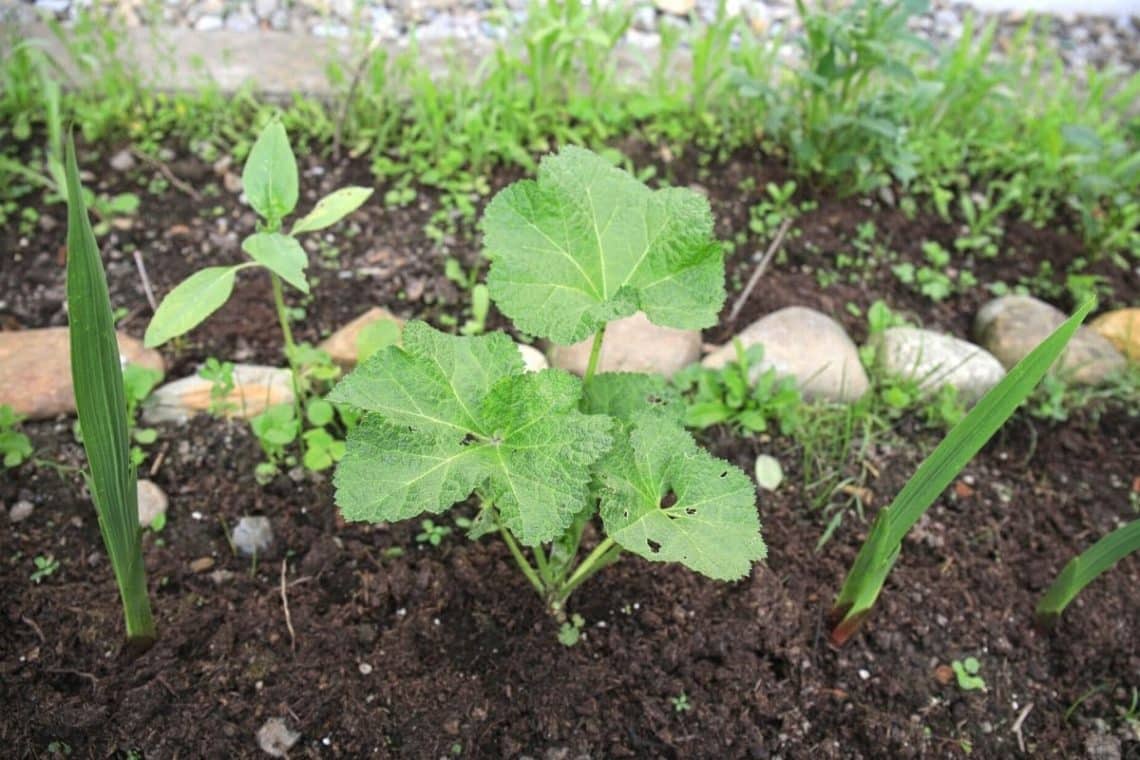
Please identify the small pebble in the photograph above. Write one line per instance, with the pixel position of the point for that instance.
(20, 511)
(123, 161)
(275, 738)
(253, 535)
(365, 669)
(202, 564)
(152, 502)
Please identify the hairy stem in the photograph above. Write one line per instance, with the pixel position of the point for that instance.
(603, 554)
(595, 353)
(520, 560)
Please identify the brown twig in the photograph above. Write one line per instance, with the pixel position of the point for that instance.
(158, 460)
(342, 117)
(164, 170)
(1016, 728)
(147, 289)
(35, 628)
(285, 604)
(763, 265)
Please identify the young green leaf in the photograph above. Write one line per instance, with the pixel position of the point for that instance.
(270, 174)
(587, 243)
(451, 414)
(188, 305)
(668, 500)
(1085, 568)
(331, 209)
(101, 403)
(281, 254)
(627, 395)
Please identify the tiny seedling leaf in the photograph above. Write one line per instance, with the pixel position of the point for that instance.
(270, 174)
(668, 500)
(188, 305)
(280, 254)
(331, 209)
(587, 243)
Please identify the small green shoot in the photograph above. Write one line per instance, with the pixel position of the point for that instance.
(681, 703)
(570, 632)
(431, 533)
(46, 565)
(881, 550)
(220, 375)
(966, 671)
(15, 447)
(102, 405)
(1085, 568)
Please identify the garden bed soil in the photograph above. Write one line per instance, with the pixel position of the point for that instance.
(445, 651)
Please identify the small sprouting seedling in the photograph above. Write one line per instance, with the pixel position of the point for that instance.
(738, 394)
(220, 375)
(15, 447)
(431, 533)
(138, 383)
(570, 632)
(447, 416)
(46, 565)
(681, 703)
(1085, 568)
(881, 549)
(966, 671)
(100, 400)
(276, 429)
(480, 296)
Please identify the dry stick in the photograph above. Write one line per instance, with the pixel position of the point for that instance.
(164, 170)
(1017, 726)
(145, 281)
(763, 265)
(288, 617)
(356, 77)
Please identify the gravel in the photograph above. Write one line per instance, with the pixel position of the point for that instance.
(1109, 39)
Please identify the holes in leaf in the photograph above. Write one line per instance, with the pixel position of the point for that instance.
(653, 545)
(668, 500)
(724, 474)
(690, 511)
(468, 439)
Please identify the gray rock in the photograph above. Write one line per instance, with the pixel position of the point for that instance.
(20, 511)
(264, 8)
(807, 345)
(209, 23)
(1011, 326)
(633, 344)
(934, 360)
(123, 161)
(152, 502)
(645, 19)
(384, 24)
(1100, 746)
(275, 738)
(253, 536)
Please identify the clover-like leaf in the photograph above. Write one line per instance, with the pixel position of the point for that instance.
(670, 501)
(449, 415)
(587, 243)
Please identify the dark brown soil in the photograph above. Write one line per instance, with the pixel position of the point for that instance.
(460, 657)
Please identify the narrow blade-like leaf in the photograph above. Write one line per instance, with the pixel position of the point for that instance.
(101, 403)
(1085, 568)
(280, 254)
(188, 305)
(865, 580)
(332, 208)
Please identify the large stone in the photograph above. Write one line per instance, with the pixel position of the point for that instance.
(255, 389)
(933, 360)
(1010, 327)
(804, 344)
(35, 369)
(344, 344)
(1122, 329)
(633, 344)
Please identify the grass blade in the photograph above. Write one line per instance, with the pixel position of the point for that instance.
(877, 556)
(101, 403)
(1084, 569)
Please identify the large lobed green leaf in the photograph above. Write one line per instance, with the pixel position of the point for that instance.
(668, 500)
(451, 414)
(587, 243)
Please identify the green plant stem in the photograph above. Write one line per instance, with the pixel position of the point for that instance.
(595, 353)
(290, 352)
(520, 559)
(594, 562)
(543, 565)
(136, 606)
